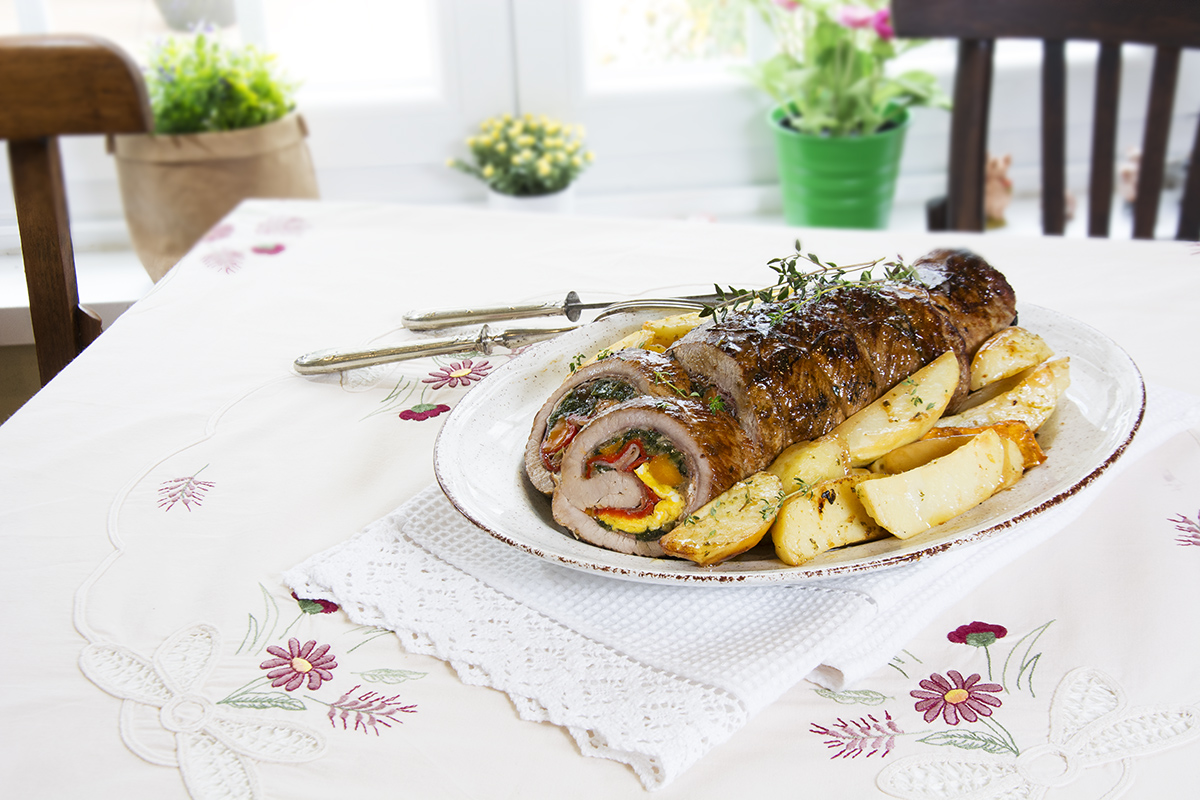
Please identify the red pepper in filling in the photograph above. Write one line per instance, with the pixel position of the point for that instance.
(557, 439)
(631, 456)
(627, 459)
(649, 501)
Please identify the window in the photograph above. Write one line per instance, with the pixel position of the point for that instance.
(391, 88)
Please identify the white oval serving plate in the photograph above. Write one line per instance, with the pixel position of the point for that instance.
(478, 460)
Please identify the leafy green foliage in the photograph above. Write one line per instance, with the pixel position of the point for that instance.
(830, 75)
(198, 84)
(802, 277)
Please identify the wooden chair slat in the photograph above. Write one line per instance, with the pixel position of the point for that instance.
(1104, 139)
(1152, 166)
(52, 86)
(1189, 209)
(1054, 136)
(46, 249)
(968, 135)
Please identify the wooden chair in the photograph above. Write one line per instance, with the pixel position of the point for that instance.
(52, 86)
(1169, 25)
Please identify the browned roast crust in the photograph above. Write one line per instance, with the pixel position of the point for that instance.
(797, 370)
(975, 295)
(716, 452)
(649, 373)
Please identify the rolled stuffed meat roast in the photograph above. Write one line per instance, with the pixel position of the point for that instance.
(636, 461)
(791, 372)
(589, 391)
(641, 466)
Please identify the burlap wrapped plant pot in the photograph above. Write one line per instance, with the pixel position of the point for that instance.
(175, 188)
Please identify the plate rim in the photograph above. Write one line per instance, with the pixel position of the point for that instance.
(786, 575)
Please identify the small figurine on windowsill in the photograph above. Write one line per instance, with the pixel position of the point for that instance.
(1127, 175)
(997, 190)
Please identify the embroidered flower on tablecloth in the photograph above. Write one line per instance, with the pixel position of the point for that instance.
(1090, 726)
(956, 697)
(215, 751)
(273, 249)
(866, 734)
(459, 373)
(370, 710)
(283, 225)
(424, 411)
(979, 634)
(1189, 528)
(316, 605)
(221, 231)
(226, 260)
(291, 667)
(189, 491)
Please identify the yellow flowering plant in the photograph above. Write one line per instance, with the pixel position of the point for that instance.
(526, 156)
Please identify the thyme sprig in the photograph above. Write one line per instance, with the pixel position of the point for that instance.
(803, 277)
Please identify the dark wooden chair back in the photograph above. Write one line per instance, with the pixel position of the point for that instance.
(1169, 25)
(52, 86)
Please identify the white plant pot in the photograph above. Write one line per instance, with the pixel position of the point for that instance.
(562, 202)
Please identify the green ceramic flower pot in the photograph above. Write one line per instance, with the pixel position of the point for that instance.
(838, 181)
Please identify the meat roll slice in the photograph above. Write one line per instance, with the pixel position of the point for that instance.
(587, 392)
(792, 371)
(640, 467)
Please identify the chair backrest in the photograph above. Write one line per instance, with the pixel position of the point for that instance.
(52, 86)
(1169, 25)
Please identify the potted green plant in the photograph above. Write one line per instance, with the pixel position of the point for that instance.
(225, 131)
(839, 118)
(528, 163)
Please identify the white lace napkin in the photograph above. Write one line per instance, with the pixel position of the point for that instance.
(651, 675)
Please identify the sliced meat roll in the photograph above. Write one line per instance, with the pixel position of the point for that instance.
(640, 467)
(793, 371)
(589, 391)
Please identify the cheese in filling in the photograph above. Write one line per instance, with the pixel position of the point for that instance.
(666, 510)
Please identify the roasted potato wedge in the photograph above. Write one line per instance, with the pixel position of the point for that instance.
(1015, 430)
(806, 464)
(665, 332)
(828, 515)
(912, 502)
(1005, 354)
(640, 338)
(919, 453)
(729, 524)
(655, 334)
(1032, 400)
(904, 414)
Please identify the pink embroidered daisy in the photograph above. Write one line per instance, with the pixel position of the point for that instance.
(460, 373)
(956, 697)
(290, 667)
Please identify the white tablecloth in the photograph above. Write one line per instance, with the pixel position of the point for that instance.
(152, 496)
